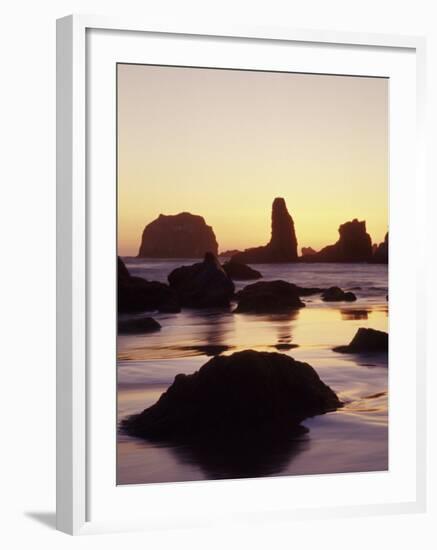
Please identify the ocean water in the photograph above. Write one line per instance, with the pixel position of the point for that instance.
(352, 439)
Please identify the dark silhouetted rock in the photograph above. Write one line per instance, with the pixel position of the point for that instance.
(283, 243)
(380, 253)
(240, 272)
(180, 236)
(138, 325)
(354, 245)
(269, 297)
(335, 294)
(248, 392)
(354, 314)
(285, 346)
(229, 253)
(366, 340)
(136, 294)
(123, 274)
(208, 349)
(308, 251)
(202, 285)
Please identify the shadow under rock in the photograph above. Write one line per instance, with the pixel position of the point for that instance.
(242, 458)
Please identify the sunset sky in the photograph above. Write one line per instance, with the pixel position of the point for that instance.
(224, 144)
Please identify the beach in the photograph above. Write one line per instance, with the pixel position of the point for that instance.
(352, 439)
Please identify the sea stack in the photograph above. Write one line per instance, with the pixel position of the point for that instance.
(353, 245)
(380, 253)
(282, 247)
(181, 235)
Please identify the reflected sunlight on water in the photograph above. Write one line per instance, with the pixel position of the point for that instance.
(355, 438)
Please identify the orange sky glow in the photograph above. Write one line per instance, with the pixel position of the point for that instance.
(225, 143)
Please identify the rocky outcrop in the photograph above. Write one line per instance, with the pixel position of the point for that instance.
(135, 294)
(180, 236)
(269, 297)
(139, 325)
(335, 294)
(308, 251)
(202, 285)
(248, 392)
(366, 340)
(240, 272)
(283, 243)
(229, 253)
(380, 253)
(354, 245)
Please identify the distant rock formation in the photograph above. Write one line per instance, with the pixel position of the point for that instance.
(240, 272)
(202, 285)
(380, 253)
(248, 394)
(354, 245)
(308, 251)
(366, 340)
(229, 253)
(335, 294)
(183, 235)
(135, 294)
(283, 243)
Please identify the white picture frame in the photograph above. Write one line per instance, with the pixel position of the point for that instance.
(74, 342)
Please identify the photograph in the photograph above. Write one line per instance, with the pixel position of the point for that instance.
(252, 273)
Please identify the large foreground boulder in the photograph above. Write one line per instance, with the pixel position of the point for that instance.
(248, 392)
(283, 243)
(353, 245)
(135, 294)
(183, 235)
(240, 272)
(269, 297)
(336, 294)
(366, 340)
(202, 285)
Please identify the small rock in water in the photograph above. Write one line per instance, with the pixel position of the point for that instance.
(335, 294)
(138, 325)
(269, 297)
(284, 347)
(366, 340)
(240, 272)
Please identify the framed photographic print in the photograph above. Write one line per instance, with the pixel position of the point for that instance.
(239, 328)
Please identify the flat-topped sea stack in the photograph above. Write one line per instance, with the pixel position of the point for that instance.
(354, 245)
(282, 247)
(181, 235)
